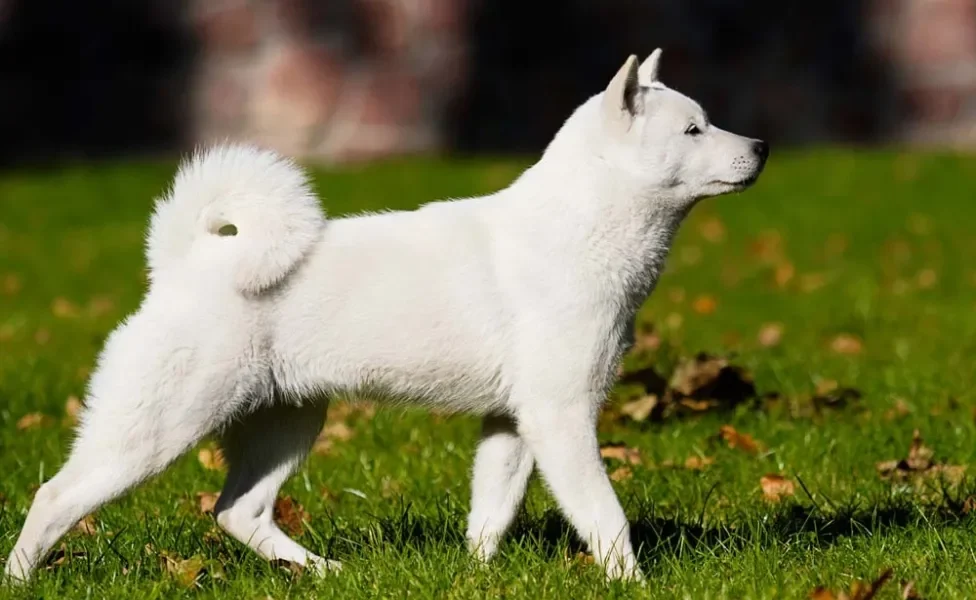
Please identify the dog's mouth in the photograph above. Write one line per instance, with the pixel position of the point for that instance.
(741, 184)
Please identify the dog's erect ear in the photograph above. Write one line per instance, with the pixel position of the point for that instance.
(647, 74)
(622, 99)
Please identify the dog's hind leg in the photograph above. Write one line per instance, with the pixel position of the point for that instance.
(502, 468)
(113, 453)
(263, 449)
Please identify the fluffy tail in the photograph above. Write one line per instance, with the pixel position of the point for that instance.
(239, 210)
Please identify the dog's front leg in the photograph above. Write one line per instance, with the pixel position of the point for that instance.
(562, 438)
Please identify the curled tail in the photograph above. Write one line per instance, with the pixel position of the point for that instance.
(239, 210)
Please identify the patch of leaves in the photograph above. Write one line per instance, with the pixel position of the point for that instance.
(859, 590)
(776, 487)
(919, 466)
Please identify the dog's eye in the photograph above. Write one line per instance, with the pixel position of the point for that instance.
(692, 130)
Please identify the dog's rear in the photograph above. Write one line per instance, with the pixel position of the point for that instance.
(236, 221)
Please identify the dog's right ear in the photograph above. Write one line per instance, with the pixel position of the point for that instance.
(622, 99)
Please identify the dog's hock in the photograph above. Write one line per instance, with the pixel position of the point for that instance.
(648, 72)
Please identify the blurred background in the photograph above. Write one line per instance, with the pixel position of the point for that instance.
(347, 80)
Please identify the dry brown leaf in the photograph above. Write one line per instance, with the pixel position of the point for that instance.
(61, 556)
(290, 515)
(846, 343)
(709, 378)
(770, 334)
(859, 590)
(184, 571)
(768, 246)
(900, 409)
(812, 282)
(677, 295)
(640, 409)
(919, 466)
(705, 304)
(734, 439)
(207, 501)
(100, 305)
(784, 273)
(11, 284)
(698, 463)
(621, 473)
(621, 452)
(926, 278)
(32, 421)
(713, 230)
(72, 407)
(211, 459)
(908, 591)
(776, 487)
(338, 431)
(87, 526)
(64, 308)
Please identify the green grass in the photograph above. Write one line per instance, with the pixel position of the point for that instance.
(881, 246)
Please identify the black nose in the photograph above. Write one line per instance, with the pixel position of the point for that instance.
(761, 149)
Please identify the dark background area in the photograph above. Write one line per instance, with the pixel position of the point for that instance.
(115, 78)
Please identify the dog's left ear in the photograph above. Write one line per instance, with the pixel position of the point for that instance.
(647, 74)
(622, 99)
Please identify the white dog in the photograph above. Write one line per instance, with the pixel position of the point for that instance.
(515, 306)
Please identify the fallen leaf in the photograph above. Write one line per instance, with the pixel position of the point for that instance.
(211, 459)
(734, 439)
(11, 284)
(691, 255)
(87, 526)
(812, 282)
(42, 336)
(776, 487)
(698, 463)
(72, 407)
(290, 515)
(207, 501)
(32, 421)
(100, 305)
(846, 343)
(184, 571)
(767, 246)
(640, 409)
(900, 409)
(621, 452)
(770, 334)
(677, 295)
(908, 591)
(858, 591)
(920, 466)
(61, 556)
(713, 230)
(621, 473)
(926, 278)
(709, 378)
(784, 273)
(705, 304)
(64, 308)
(337, 430)
(646, 338)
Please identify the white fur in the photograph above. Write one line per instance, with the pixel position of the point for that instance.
(516, 306)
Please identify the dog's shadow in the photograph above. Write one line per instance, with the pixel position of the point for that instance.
(657, 537)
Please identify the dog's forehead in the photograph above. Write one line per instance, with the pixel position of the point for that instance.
(672, 101)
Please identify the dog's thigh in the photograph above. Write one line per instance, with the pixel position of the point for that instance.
(502, 468)
(263, 449)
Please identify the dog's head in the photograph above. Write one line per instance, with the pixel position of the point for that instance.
(665, 141)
